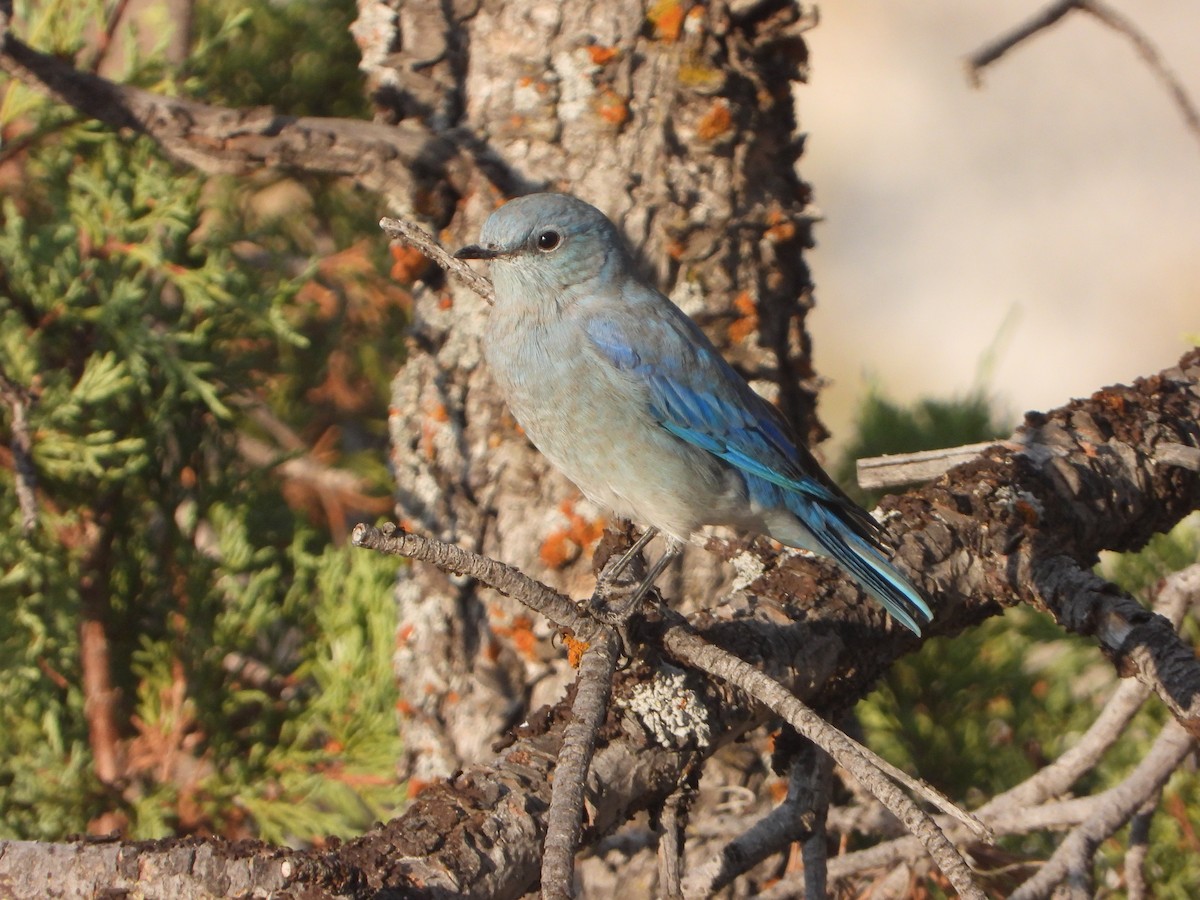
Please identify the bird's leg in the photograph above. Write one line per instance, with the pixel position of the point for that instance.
(628, 556)
(626, 602)
(674, 548)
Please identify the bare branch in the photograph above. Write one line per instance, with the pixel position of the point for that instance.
(897, 469)
(688, 647)
(1114, 808)
(1104, 13)
(1176, 592)
(395, 160)
(1139, 846)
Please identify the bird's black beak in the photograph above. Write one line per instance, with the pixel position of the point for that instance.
(475, 251)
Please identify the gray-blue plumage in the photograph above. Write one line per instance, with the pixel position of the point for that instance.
(626, 395)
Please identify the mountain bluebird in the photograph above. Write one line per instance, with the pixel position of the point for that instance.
(629, 399)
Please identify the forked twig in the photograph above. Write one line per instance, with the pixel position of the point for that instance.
(687, 646)
(1105, 14)
(422, 240)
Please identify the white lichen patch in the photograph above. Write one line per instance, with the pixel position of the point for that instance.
(748, 568)
(671, 712)
(576, 83)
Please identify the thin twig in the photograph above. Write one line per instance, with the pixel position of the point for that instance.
(422, 240)
(685, 645)
(19, 399)
(896, 469)
(564, 818)
(1150, 56)
(1116, 806)
(991, 52)
(1139, 846)
(556, 607)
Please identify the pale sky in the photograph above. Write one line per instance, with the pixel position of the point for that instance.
(1062, 196)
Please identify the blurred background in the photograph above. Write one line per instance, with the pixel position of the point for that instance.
(1047, 221)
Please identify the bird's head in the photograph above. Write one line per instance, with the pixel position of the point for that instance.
(548, 243)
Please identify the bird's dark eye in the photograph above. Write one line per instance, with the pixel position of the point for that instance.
(548, 240)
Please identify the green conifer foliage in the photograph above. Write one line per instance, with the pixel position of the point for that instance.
(244, 662)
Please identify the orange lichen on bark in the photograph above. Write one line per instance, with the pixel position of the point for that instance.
(435, 416)
(747, 321)
(565, 544)
(407, 263)
(667, 18)
(520, 632)
(417, 785)
(1113, 401)
(780, 227)
(612, 108)
(716, 122)
(602, 55)
(575, 650)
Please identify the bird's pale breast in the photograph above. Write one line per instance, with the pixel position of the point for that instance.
(566, 399)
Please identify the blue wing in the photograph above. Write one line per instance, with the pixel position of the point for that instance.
(696, 396)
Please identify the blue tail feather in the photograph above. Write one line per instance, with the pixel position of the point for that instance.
(864, 560)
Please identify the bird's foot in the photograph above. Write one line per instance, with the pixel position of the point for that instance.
(616, 603)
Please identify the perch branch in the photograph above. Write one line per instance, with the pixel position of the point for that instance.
(564, 819)
(690, 648)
